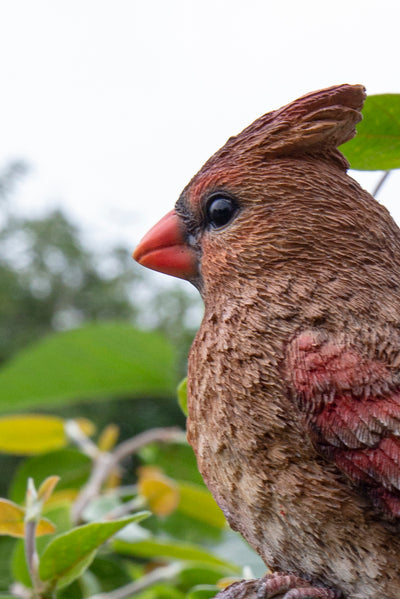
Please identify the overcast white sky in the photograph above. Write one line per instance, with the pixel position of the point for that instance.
(117, 103)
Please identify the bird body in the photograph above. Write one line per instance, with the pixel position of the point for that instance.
(294, 375)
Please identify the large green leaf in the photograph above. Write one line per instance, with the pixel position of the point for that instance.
(199, 573)
(197, 502)
(176, 460)
(203, 591)
(170, 549)
(95, 361)
(67, 556)
(377, 143)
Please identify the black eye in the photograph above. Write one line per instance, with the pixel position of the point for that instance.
(220, 210)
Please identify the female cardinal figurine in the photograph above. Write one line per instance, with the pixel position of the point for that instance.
(294, 375)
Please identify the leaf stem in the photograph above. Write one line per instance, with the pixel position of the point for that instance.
(32, 557)
(104, 463)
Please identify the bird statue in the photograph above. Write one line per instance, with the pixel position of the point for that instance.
(294, 374)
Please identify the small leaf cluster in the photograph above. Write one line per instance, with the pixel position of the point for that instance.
(81, 519)
(65, 541)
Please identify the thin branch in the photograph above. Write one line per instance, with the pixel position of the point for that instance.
(77, 436)
(104, 463)
(135, 504)
(380, 183)
(132, 446)
(159, 575)
(30, 550)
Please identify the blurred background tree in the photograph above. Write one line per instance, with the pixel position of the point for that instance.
(50, 281)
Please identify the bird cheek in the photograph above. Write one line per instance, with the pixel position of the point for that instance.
(165, 248)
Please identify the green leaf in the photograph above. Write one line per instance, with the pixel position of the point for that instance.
(67, 556)
(72, 466)
(18, 560)
(96, 361)
(110, 573)
(377, 143)
(157, 548)
(184, 528)
(159, 591)
(182, 396)
(197, 502)
(197, 573)
(6, 549)
(62, 519)
(176, 460)
(203, 591)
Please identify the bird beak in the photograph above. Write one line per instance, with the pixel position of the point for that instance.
(165, 249)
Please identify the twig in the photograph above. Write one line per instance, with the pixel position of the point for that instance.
(104, 463)
(158, 575)
(380, 183)
(77, 436)
(131, 446)
(101, 469)
(32, 558)
(135, 504)
(32, 517)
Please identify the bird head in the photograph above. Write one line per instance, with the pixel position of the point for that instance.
(276, 191)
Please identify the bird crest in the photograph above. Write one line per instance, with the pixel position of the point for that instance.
(315, 124)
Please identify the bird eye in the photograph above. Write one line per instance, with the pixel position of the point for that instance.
(220, 210)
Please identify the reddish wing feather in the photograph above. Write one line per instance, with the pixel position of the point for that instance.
(352, 412)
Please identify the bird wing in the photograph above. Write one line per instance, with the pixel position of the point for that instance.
(351, 408)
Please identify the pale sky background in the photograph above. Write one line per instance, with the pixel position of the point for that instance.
(116, 104)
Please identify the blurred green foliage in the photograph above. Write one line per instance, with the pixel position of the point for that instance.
(50, 280)
(377, 143)
(185, 543)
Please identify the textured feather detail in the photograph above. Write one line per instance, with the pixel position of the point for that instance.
(307, 275)
(360, 430)
(316, 123)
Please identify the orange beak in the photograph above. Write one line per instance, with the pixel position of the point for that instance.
(165, 249)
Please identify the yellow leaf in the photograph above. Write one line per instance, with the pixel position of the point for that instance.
(160, 491)
(108, 437)
(12, 521)
(47, 488)
(28, 434)
(44, 527)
